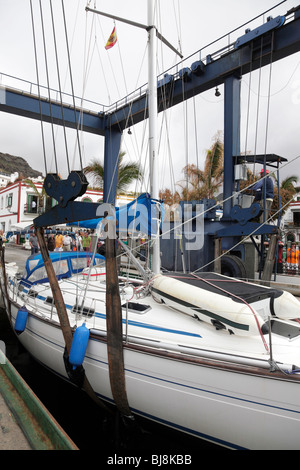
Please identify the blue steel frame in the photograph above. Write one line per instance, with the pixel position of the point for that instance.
(226, 69)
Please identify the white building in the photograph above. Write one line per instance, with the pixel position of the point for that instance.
(6, 178)
(18, 204)
(291, 222)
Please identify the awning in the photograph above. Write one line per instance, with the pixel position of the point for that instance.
(137, 216)
(21, 226)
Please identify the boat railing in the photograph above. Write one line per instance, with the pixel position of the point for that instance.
(27, 88)
(221, 46)
(87, 309)
(37, 297)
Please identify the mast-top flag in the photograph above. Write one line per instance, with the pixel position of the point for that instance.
(112, 39)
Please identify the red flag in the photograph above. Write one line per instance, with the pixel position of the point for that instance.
(112, 39)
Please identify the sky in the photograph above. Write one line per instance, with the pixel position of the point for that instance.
(100, 78)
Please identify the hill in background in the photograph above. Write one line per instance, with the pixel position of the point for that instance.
(10, 164)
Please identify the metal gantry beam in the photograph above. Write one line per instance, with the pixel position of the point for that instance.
(268, 43)
(31, 106)
(239, 60)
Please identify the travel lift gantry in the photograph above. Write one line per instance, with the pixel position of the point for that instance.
(275, 39)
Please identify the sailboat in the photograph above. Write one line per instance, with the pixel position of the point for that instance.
(208, 355)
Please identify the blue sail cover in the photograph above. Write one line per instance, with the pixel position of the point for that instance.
(65, 264)
(139, 215)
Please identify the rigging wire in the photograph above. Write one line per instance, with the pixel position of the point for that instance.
(269, 93)
(121, 62)
(180, 225)
(246, 237)
(168, 160)
(196, 135)
(248, 105)
(275, 92)
(38, 87)
(178, 24)
(86, 69)
(102, 69)
(48, 85)
(59, 86)
(109, 59)
(72, 86)
(258, 104)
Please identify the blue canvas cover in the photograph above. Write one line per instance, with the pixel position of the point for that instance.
(65, 264)
(137, 216)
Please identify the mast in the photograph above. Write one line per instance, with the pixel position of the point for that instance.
(153, 151)
(152, 106)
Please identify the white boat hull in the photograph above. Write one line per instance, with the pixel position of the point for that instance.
(234, 408)
(179, 371)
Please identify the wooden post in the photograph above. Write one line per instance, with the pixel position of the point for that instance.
(114, 325)
(4, 290)
(217, 260)
(270, 259)
(62, 312)
(57, 295)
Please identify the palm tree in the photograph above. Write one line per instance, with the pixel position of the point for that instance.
(288, 183)
(127, 173)
(287, 190)
(205, 183)
(287, 193)
(213, 167)
(41, 195)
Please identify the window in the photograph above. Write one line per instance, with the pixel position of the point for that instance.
(49, 300)
(136, 308)
(32, 204)
(283, 329)
(40, 274)
(32, 293)
(290, 237)
(87, 311)
(296, 219)
(9, 200)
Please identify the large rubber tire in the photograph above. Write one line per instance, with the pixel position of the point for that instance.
(233, 266)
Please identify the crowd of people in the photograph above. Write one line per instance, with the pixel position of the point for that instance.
(81, 241)
(291, 259)
(288, 256)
